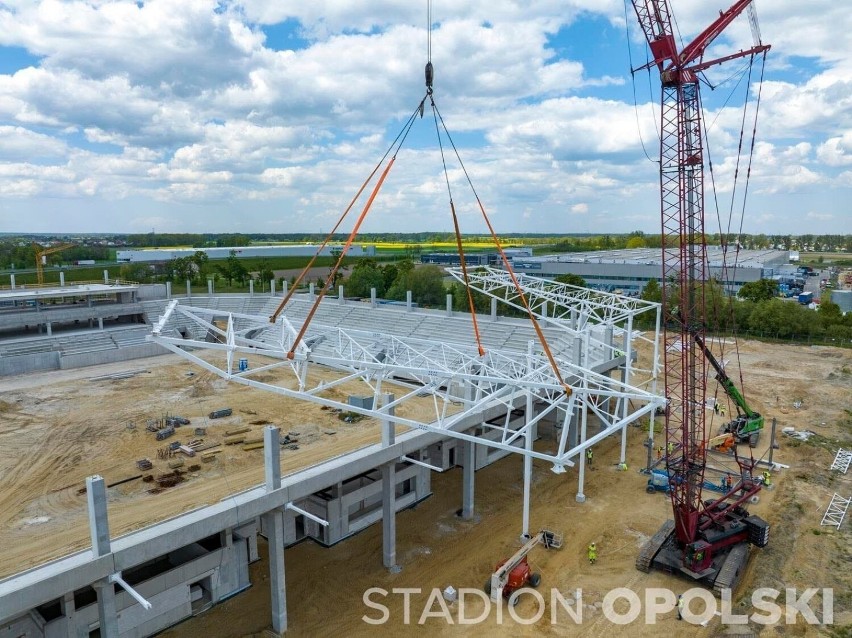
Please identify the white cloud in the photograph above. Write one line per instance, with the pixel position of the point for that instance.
(184, 107)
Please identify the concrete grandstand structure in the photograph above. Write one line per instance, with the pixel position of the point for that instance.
(487, 404)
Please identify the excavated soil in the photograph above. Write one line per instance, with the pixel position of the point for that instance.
(57, 428)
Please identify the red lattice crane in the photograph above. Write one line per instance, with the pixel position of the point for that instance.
(706, 540)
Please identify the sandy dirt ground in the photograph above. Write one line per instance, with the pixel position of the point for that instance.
(57, 428)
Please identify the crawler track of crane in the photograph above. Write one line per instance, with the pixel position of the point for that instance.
(653, 546)
(732, 569)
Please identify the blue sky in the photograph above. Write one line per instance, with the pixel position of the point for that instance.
(262, 116)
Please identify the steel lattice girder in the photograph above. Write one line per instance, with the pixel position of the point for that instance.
(460, 383)
(564, 301)
(836, 511)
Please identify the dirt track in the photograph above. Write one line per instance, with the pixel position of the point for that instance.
(57, 428)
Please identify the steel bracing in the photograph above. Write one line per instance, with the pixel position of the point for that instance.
(842, 460)
(836, 511)
(577, 311)
(447, 382)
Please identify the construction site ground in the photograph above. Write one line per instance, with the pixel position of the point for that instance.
(56, 428)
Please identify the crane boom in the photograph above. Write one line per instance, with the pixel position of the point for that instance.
(747, 423)
(40, 253)
(699, 540)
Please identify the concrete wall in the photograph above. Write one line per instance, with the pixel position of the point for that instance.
(28, 363)
(98, 357)
(198, 582)
(153, 291)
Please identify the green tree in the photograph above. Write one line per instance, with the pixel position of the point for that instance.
(233, 269)
(265, 273)
(182, 268)
(760, 290)
(366, 274)
(427, 286)
(200, 259)
(135, 272)
(652, 291)
(571, 279)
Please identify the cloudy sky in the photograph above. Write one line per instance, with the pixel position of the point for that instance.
(267, 115)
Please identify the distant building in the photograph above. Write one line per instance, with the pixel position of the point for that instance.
(475, 259)
(630, 270)
(306, 250)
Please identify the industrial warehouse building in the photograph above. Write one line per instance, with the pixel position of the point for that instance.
(151, 255)
(630, 270)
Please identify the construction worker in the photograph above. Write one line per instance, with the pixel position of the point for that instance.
(593, 553)
(767, 478)
(722, 410)
(728, 481)
(716, 407)
(670, 447)
(659, 452)
(589, 456)
(680, 605)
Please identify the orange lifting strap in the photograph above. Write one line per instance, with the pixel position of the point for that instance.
(291, 354)
(274, 317)
(508, 267)
(467, 283)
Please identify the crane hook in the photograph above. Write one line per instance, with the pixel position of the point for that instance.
(430, 73)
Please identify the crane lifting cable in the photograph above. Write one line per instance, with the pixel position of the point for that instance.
(394, 149)
(395, 146)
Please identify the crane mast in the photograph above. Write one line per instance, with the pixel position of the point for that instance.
(684, 258)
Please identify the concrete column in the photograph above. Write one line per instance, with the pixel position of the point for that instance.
(61, 277)
(251, 287)
(49, 329)
(12, 277)
(272, 457)
(68, 609)
(581, 498)
(106, 276)
(372, 297)
(408, 300)
(107, 617)
(100, 323)
(99, 529)
(98, 523)
(340, 294)
(625, 378)
(544, 309)
(311, 291)
(209, 287)
(572, 321)
(388, 426)
(449, 305)
(527, 466)
(389, 516)
(188, 288)
(272, 287)
(275, 529)
(168, 290)
(284, 288)
(468, 449)
(493, 308)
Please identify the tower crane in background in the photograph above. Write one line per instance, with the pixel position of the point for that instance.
(707, 540)
(41, 254)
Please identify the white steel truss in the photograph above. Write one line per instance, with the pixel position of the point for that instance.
(842, 460)
(455, 380)
(836, 511)
(551, 300)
